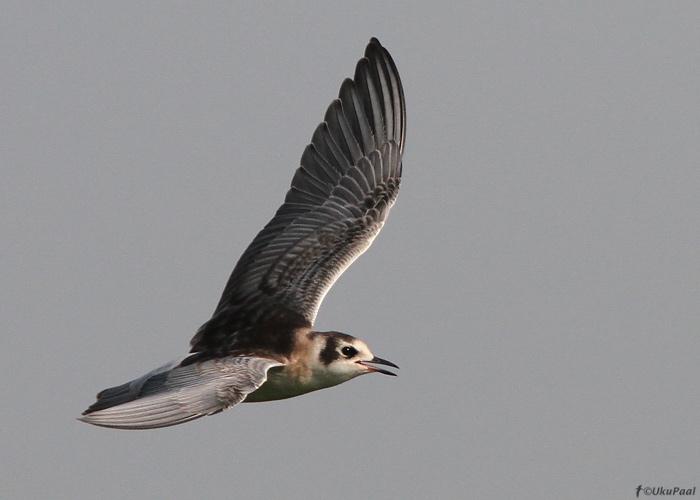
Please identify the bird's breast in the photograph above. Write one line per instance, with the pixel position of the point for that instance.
(291, 380)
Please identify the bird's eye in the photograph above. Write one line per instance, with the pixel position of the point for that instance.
(348, 351)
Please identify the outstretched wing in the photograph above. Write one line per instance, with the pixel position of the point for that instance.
(173, 393)
(339, 199)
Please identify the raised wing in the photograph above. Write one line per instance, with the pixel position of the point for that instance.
(338, 201)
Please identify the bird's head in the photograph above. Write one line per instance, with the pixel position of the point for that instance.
(345, 356)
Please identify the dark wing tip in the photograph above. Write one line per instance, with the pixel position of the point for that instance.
(379, 66)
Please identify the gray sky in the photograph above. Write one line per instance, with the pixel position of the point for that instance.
(537, 281)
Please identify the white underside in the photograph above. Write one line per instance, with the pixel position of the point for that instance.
(280, 385)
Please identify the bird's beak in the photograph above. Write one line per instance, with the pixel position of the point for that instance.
(378, 361)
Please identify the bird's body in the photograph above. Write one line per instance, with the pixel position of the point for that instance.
(306, 368)
(260, 344)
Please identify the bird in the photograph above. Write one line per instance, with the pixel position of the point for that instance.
(260, 345)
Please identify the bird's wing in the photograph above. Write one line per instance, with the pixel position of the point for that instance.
(173, 393)
(338, 201)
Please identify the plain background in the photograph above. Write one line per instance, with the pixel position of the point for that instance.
(538, 280)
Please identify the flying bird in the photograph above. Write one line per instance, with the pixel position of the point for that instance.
(259, 344)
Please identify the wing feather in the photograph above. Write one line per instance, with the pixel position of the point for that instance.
(338, 201)
(173, 393)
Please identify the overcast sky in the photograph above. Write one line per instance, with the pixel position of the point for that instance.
(538, 280)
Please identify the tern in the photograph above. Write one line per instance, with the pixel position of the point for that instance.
(259, 344)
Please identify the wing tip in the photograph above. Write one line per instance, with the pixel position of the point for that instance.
(374, 42)
(137, 418)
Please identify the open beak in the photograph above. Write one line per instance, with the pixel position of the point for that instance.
(378, 361)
